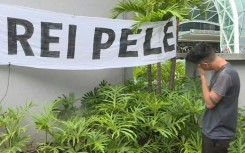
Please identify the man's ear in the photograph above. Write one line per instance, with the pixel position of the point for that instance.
(204, 65)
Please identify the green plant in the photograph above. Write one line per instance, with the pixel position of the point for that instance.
(70, 135)
(119, 119)
(91, 99)
(46, 121)
(137, 121)
(146, 11)
(77, 136)
(66, 107)
(155, 10)
(238, 144)
(193, 144)
(12, 135)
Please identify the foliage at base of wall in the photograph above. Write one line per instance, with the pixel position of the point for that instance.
(110, 119)
(115, 119)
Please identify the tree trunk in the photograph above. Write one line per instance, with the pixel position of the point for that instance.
(149, 72)
(173, 60)
(159, 78)
(172, 73)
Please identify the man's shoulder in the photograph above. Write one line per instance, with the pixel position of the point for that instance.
(229, 70)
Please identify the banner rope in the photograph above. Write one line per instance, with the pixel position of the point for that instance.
(6, 92)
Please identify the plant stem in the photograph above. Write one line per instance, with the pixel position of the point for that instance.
(46, 136)
(159, 78)
(149, 72)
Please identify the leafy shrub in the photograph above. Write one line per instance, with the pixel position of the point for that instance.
(116, 119)
(238, 144)
(12, 130)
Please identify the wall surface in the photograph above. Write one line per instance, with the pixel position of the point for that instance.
(42, 86)
(93, 8)
(239, 65)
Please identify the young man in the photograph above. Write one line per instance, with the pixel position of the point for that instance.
(220, 97)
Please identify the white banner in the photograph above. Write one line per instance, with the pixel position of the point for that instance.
(43, 39)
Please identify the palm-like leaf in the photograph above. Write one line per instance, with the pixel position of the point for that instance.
(129, 6)
(156, 10)
(238, 146)
(192, 144)
(12, 137)
(114, 99)
(118, 126)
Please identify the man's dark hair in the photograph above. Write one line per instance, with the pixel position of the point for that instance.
(201, 51)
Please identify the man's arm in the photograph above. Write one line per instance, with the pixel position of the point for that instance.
(211, 98)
